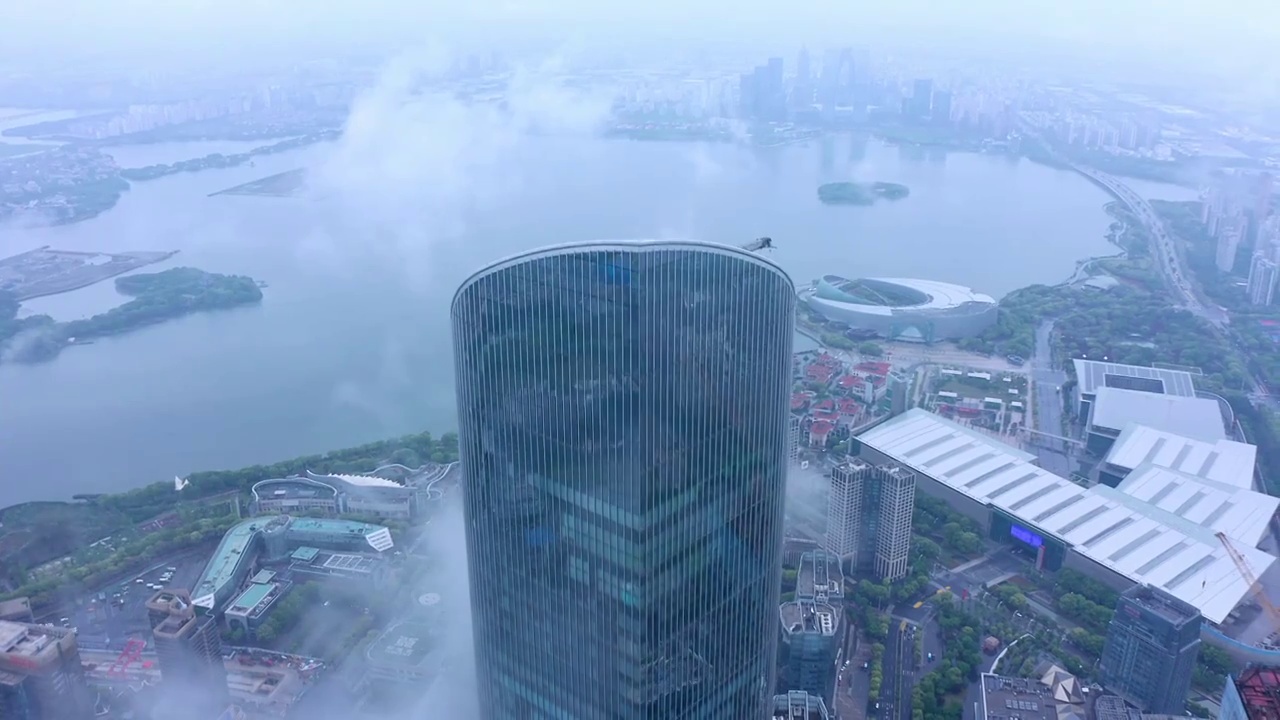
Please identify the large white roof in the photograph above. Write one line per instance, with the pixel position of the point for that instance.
(939, 296)
(1192, 417)
(1116, 530)
(1240, 513)
(1226, 462)
(1094, 374)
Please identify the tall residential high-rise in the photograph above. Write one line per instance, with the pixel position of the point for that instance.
(1230, 235)
(40, 674)
(844, 508)
(869, 517)
(1151, 650)
(188, 650)
(622, 414)
(1262, 279)
(897, 498)
(813, 627)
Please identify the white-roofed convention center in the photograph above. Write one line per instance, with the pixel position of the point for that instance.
(1225, 462)
(1156, 529)
(902, 308)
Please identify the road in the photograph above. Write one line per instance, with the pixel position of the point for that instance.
(1047, 399)
(1166, 250)
(899, 669)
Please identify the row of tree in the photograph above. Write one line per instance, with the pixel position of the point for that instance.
(934, 696)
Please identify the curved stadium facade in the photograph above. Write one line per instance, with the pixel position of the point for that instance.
(622, 425)
(902, 308)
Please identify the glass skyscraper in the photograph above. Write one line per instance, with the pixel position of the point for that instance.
(623, 431)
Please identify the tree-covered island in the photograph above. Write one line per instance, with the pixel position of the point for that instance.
(854, 193)
(156, 297)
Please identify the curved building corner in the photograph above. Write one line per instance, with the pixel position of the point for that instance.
(623, 426)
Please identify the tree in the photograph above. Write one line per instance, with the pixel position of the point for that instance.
(870, 349)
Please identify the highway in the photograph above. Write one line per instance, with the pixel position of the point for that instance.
(1165, 250)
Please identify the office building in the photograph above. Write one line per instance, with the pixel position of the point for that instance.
(1262, 279)
(799, 705)
(623, 428)
(1254, 695)
(813, 627)
(188, 650)
(1151, 650)
(40, 674)
(869, 517)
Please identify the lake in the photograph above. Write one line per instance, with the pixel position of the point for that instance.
(351, 343)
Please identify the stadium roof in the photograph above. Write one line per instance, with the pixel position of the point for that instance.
(1240, 513)
(1226, 462)
(1193, 417)
(934, 295)
(1094, 374)
(1130, 537)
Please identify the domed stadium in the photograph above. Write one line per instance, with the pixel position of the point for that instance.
(902, 308)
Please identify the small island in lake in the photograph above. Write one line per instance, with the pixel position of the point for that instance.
(853, 193)
(156, 297)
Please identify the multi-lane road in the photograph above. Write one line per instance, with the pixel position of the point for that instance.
(1166, 251)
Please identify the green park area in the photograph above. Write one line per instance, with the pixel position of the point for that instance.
(154, 298)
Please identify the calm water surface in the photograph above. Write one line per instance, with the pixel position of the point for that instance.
(351, 343)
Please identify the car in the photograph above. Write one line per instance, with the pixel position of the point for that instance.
(930, 656)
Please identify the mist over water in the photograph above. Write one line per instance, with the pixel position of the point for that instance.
(351, 341)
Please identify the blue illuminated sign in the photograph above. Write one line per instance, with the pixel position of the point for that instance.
(1026, 536)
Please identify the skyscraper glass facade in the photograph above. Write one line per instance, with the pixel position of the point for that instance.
(623, 431)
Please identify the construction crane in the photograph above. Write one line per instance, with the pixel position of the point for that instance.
(760, 243)
(1250, 579)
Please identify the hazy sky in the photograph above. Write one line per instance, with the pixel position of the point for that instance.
(1179, 31)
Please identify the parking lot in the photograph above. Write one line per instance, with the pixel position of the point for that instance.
(107, 619)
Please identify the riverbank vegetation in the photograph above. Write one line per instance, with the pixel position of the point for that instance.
(156, 297)
(853, 193)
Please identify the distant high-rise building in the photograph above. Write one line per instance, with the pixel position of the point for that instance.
(921, 99)
(940, 113)
(1262, 279)
(40, 674)
(802, 94)
(813, 626)
(1151, 650)
(799, 705)
(622, 413)
(869, 517)
(747, 94)
(188, 650)
(1230, 235)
